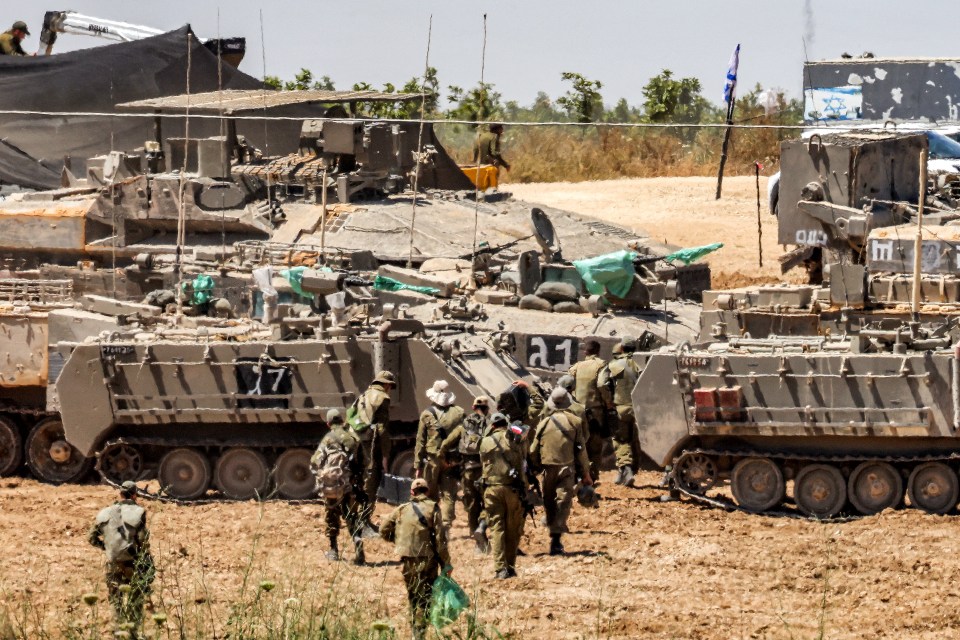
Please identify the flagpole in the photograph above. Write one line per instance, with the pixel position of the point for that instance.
(730, 95)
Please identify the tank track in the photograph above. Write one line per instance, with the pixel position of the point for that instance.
(727, 504)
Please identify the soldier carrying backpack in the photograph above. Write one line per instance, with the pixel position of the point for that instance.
(121, 531)
(465, 439)
(338, 467)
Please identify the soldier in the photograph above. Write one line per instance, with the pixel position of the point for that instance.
(560, 449)
(10, 40)
(503, 459)
(338, 466)
(586, 393)
(421, 540)
(568, 383)
(616, 382)
(487, 148)
(466, 438)
(371, 416)
(436, 423)
(121, 531)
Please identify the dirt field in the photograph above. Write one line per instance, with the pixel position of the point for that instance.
(680, 211)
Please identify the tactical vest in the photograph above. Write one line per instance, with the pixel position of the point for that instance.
(414, 533)
(557, 438)
(440, 423)
(622, 374)
(585, 373)
(502, 459)
(473, 428)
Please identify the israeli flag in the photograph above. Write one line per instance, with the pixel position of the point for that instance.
(730, 88)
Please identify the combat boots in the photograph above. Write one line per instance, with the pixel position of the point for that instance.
(359, 557)
(503, 574)
(334, 554)
(556, 547)
(619, 478)
(626, 476)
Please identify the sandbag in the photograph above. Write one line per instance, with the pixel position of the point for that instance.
(558, 292)
(567, 307)
(531, 301)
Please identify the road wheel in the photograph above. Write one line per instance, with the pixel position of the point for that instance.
(51, 458)
(120, 462)
(696, 473)
(11, 447)
(874, 486)
(933, 487)
(242, 474)
(293, 476)
(820, 491)
(757, 484)
(184, 474)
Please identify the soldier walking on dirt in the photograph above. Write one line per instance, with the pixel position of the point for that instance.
(338, 466)
(502, 454)
(417, 530)
(586, 392)
(616, 382)
(121, 531)
(465, 439)
(370, 420)
(559, 448)
(436, 423)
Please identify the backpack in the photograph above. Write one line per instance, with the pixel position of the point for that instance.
(120, 525)
(473, 428)
(359, 414)
(333, 477)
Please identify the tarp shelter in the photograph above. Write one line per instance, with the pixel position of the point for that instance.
(93, 81)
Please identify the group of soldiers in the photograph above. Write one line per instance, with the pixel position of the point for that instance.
(501, 455)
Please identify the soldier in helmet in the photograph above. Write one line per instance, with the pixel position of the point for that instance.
(487, 148)
(560, 449)
(502, 454)
(369, 417)
(433, 465)
(568, 384)
(121, 531)
(10, 40)
(616, 381)
(338, 466)
(417, 530)
(586, 393)
(465, 439)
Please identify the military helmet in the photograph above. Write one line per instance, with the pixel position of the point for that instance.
(481, 401)
(419, 485)
(499, 420)
(628, 343)
(567, 382)
(128, 488)
(21, 25)
(334, 416)
(385, 377)
(587, 496)
(560, 398)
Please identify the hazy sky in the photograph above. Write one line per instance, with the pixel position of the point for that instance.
(621, 43)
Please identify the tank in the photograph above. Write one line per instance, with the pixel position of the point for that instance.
(232, 407)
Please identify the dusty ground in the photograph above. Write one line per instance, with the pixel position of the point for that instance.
(680, 211)
(638, 568)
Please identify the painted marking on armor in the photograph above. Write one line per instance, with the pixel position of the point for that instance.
(814, 237)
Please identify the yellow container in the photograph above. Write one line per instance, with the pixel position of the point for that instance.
(483, 177)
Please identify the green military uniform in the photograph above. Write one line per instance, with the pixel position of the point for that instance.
(417, 530)
(348, 507)
(616, 382)
(465, 439)
(486, 150)
(586, 393)
(503, 458)
(373, 407)
(10, 45)
(436, 423)
(130, 567)
(559, 448)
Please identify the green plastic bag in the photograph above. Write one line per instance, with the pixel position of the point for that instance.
(202, 287)
(383, 283)
(611, 272)
(686, 256)
(295, 277)
(448, 601)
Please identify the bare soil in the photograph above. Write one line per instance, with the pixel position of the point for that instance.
(683, 212)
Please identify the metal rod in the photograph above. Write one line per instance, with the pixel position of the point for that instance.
(323, 216)
(416, 171)
(756, 166)
(918, 244)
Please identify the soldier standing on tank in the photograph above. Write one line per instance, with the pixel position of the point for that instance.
(586, 393)
(417, 530)
(340, 439)
(487, 148)
(559, 448)
(436, 423)
(502, 454)
(373, 409)
(616, 382)
(465, 439)
(121, 531)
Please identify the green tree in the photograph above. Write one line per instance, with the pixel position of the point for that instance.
(669, 100)
(479, 103)
(583, 101)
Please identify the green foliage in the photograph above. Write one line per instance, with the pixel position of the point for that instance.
(582, 101)
(301, 82)
(670, 100)
(479, 103)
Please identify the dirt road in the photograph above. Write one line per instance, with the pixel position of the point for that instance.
(680, 211)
